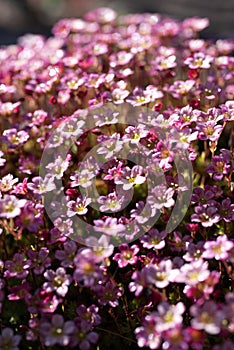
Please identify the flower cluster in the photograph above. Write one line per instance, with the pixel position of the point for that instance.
(154, 268)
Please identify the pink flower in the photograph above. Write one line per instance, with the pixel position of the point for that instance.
(131, 177)
(2, 160)
(154, 239)
(161, 197)
(208, 317)
(161, 274)
(199, 60)
(59, 166)
(163, 63)
(10, 206)
(209, 131)
(207, 215)
(82, 178)
(14, 137)
(194, 272)
(78, 207)
(111, 146)
(7, 183)
(112, 202)
(127, 255)
(109, 226)
(58, 281)
(147, 334)
(41, 185)
(217, 249)
(180, 88)
(196, 23)
(134, 134)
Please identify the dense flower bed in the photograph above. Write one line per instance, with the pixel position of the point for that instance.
(151, 99)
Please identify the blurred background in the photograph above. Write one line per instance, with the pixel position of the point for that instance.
(18, 17)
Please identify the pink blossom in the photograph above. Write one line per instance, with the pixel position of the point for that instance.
(217, 249)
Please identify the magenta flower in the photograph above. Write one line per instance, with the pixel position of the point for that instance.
(83, 337)
(72, 127)
(119, 95)
(89, 315)
(31, 216)
(101, 248)
(185, 116)
(203, 196)
(194, 251)
(115, 172)
(37, 117)
(163, 155)
(168, 316)
(143, 212)
(108, 117)
(164, 63)
(28, 164)
(20, 292)
(195, 23)
(228, 110)
(42, 301)
(227, 210)
(165, 318)
(121, 58)
(9, 108)
(127, 255)
(62, 228)
(176, 338)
